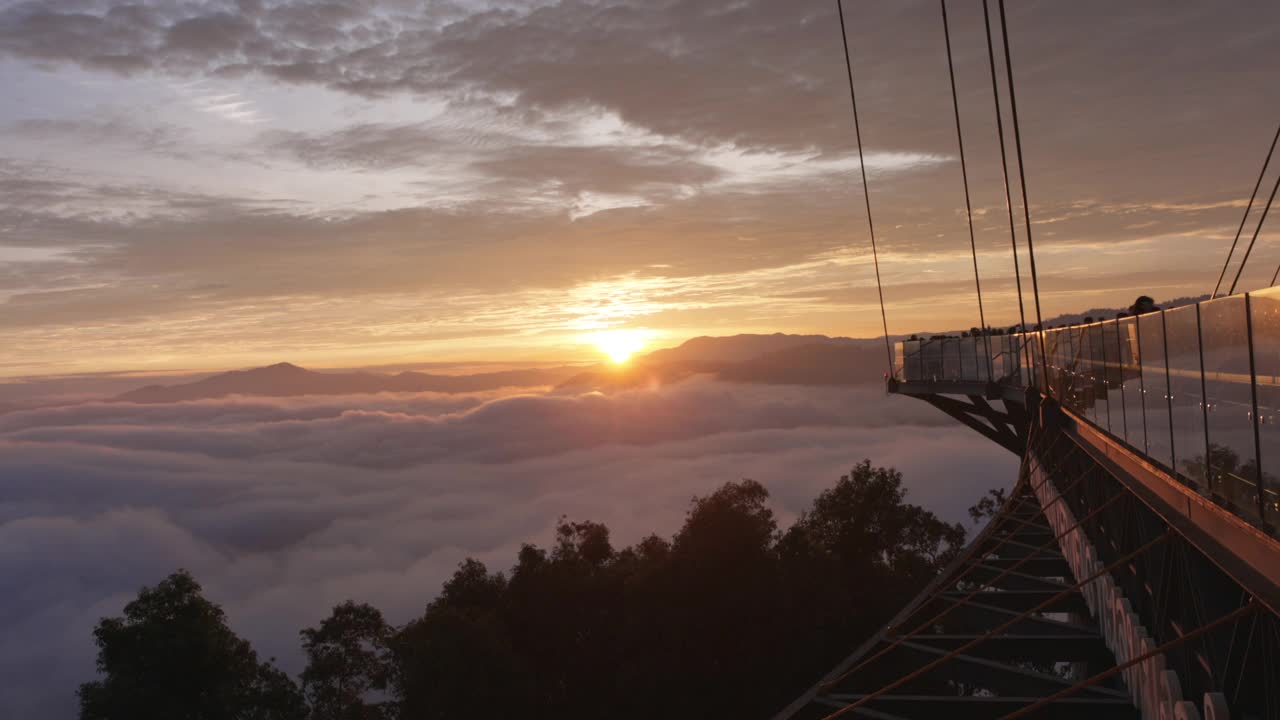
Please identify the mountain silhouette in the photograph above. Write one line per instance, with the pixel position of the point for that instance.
(768, 359)
(776, 359)
(287, 380)
(719, 351)
(813, 364)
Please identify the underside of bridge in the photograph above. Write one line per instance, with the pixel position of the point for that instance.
(1101, 589)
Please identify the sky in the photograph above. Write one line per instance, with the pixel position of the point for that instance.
(205, 185)
(190, 186)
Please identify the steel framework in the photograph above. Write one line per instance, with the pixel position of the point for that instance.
(1087, 595)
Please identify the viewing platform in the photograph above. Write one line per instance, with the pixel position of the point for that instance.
(1134, 569)
(1172, 386)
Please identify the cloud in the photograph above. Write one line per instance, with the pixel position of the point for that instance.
(395, 161)
(130, 133)
(283, 508)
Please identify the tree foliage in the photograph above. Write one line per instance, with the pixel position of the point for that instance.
(172, 657)
(348, 658)
(988, 506)
(732, 616)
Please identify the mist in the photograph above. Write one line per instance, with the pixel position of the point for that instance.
(284, 507)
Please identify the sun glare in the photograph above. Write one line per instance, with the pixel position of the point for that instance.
(619, 345)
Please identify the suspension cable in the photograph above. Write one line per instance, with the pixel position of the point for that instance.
(866, 190)
(1022, 178)
(1004, 168)
(1266, 208)
(964, 177)
(1247, 208)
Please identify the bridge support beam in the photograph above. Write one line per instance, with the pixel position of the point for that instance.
(1006, 428)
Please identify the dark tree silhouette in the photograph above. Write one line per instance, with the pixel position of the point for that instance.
(988, 506)
(348, 658)
(730, 617)
(173, 656)
(451, 663)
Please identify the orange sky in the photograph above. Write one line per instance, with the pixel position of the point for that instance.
(503, 185)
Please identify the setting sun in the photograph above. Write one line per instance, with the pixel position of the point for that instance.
(619, 345)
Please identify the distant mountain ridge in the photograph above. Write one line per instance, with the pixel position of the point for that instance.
(739, 348)
(1110, 313)
(287, 380)
(777, 359)
(1073, 318)
(767, 359)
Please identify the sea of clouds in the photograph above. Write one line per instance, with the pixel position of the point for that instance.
(284, 507)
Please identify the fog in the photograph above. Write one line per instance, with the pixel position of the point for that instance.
(283, 508)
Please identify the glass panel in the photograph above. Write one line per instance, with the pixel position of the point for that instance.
(1098, 376)
(1084, 374)
(1037, 372)
(1131, 383)
(1265, 308)
(931, 359)
(950, 358)
(1025, 355)
(1070, 343)
(968, 358)
(908, 367)
(1061, 358)
(1066, 353)
(984, 349)
(1233, 467)
(1155, 388)
(1115, 381)
(1051, 352)
(1016, 361)
(1001, 361)
(1182, 338)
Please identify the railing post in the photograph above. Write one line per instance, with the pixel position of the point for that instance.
(1204, 405)
(1253, 396)
(1168, 393)
(1102, 366)
(1072, 365)
(1142, 383)
(1124, 415)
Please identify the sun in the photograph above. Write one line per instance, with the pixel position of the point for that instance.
(619, 345)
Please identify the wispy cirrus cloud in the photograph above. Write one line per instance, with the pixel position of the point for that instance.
(229, 106)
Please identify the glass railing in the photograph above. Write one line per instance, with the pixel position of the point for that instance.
(961, 359)
(1196, 389)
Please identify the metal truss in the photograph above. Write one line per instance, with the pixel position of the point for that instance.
(1006, 428)
(1004, 632)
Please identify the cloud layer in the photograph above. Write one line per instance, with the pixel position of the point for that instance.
(476, 178)
(284, 508)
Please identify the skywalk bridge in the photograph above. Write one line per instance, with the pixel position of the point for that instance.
(1135, 569)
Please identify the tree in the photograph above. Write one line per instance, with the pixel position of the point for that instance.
(988, 506)
(854, 558)
(472, 588)
(451, 664)
(721, 616)
(172, 657)
(347, 659)
(730, 617)
(866, 522)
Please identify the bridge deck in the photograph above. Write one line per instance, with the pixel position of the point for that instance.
(1136, 569)
(1194, 390)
